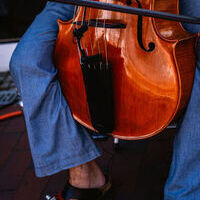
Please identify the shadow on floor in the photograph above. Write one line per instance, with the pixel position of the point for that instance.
(138, 168)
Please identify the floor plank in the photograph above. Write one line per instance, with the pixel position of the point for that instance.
(30, 187)
(138, 168)
(8, 142)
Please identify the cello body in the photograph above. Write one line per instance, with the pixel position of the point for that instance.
(151, 88)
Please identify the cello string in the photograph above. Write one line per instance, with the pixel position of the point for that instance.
(83, 16)
(98, 45)
(105, 42)
(82, 23)
(89, 16)
(75, 7)
(124, 17)
(73, 24)
(106, 53)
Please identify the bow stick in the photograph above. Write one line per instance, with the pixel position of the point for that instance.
(130, 10)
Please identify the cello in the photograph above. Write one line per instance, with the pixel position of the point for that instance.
(150, 64)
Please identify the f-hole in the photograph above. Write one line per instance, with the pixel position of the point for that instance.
(151, 45)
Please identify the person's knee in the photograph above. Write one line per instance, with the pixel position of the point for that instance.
(22, 59)
(190, 8)
(15, 63)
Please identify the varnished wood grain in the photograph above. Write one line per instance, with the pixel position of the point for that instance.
(149, 87)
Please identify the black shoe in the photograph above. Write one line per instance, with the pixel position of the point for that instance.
(71, 192)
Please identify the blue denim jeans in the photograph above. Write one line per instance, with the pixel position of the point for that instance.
(183, 182)
(57, 142)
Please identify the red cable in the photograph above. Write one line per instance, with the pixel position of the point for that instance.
(12, 114)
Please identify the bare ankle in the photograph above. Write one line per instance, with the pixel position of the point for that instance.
(87, 175)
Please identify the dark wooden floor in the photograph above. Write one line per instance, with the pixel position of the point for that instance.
(138, 168)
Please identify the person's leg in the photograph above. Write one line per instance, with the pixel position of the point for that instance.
(183, 182)
(57, 142)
